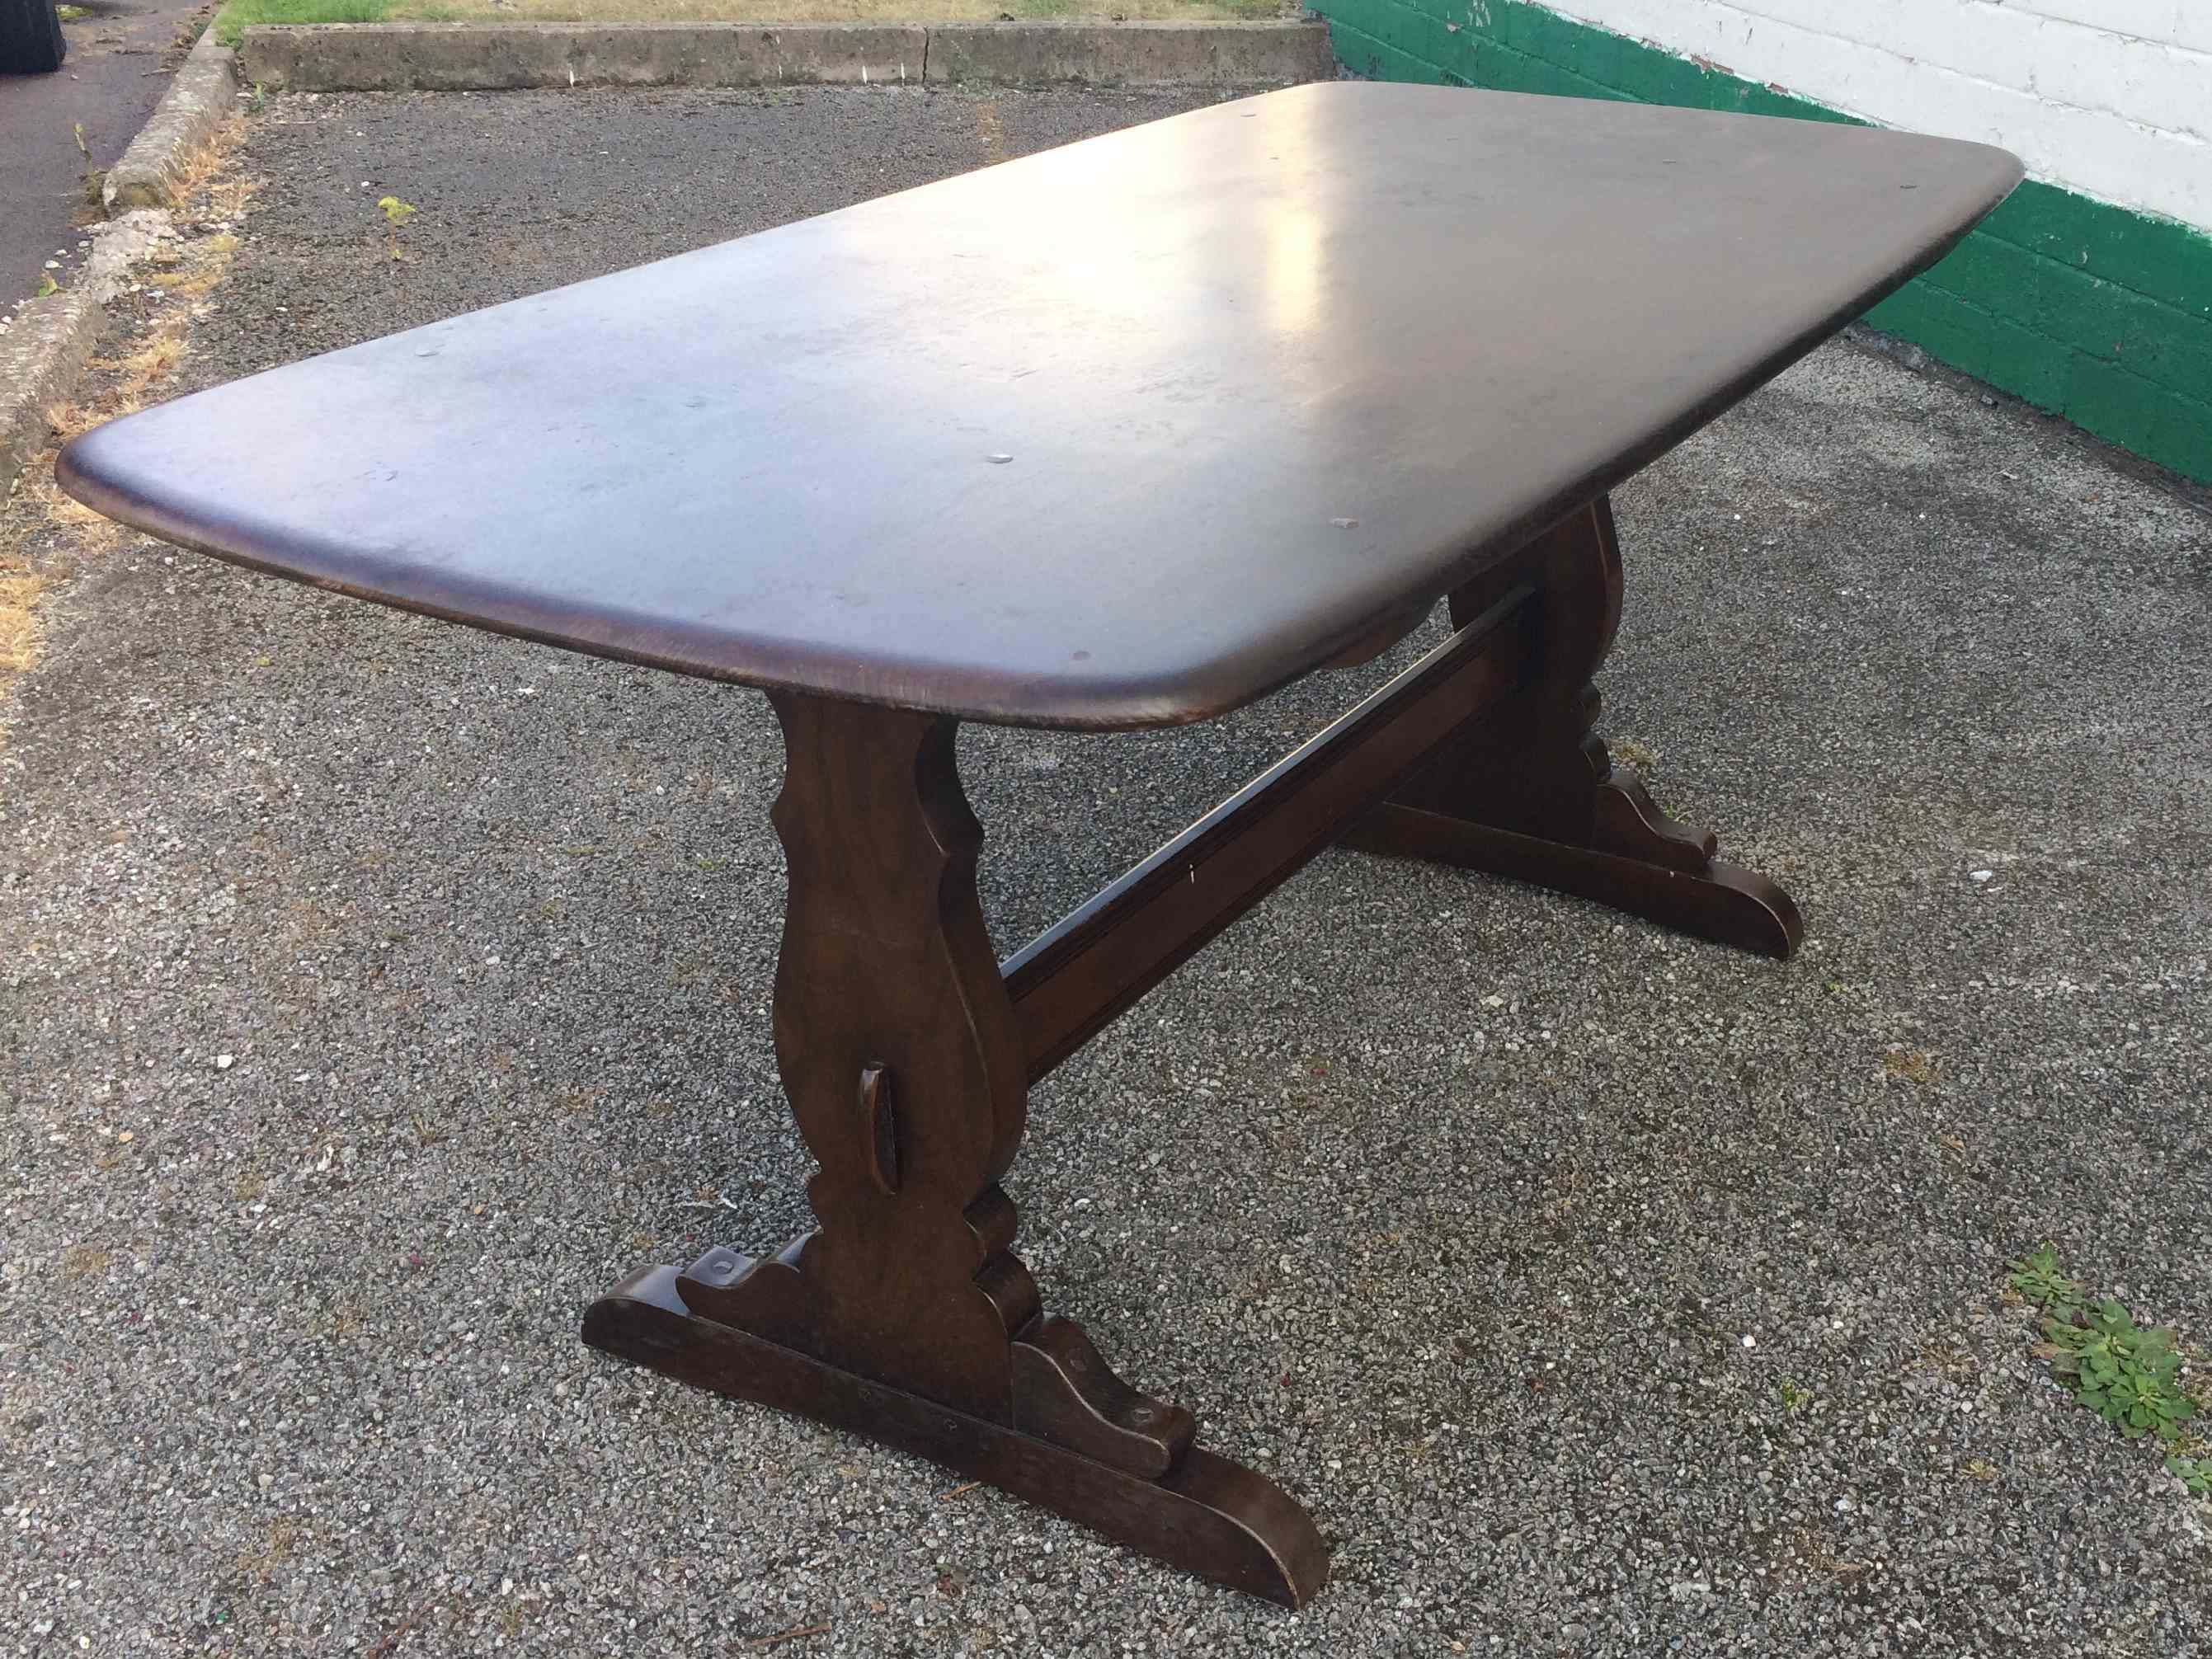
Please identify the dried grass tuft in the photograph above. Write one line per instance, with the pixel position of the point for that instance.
(206, 170)
(210, 183)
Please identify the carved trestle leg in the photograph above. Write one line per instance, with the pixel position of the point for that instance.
(905, 1316)
(1529, 791)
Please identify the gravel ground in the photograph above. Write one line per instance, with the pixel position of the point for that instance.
(376, 994)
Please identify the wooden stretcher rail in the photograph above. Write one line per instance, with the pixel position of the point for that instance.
(1074, 978)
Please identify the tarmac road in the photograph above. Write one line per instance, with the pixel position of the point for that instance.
(118, 67)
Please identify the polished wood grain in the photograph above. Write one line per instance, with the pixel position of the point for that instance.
(1125, 434)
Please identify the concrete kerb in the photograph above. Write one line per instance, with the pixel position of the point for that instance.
(1129, 54)
(41, 355)
(199, 97)
(512, 56)
(508, 57)
(48, 342)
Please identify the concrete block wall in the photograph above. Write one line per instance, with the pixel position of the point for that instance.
(2111, 98)
(2088, 292)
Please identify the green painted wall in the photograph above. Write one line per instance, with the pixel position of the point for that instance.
(2086, 309)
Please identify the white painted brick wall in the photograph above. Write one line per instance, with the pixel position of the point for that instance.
(2113, 98)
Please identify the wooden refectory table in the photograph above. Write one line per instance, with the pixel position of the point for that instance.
(1124, 434)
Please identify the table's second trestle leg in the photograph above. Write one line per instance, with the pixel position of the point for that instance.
(1531, 792)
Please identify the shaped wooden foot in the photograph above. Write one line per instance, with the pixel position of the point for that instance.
(905, 1316)
(1531, 792)
(1205, 1515)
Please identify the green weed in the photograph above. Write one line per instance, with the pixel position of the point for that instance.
(395, 213)
(2129, 1375)
(2038, 1278)
(2194, 1473)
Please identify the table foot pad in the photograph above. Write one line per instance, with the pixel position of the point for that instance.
(1202, 1513)
(1718, 901)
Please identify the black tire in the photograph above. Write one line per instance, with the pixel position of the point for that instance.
(31, 40)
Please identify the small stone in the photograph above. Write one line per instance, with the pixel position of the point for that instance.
(1984, 875)
(224, 1062)
(998, 458)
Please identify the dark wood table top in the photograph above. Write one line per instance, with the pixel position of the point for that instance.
(1125, 434)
